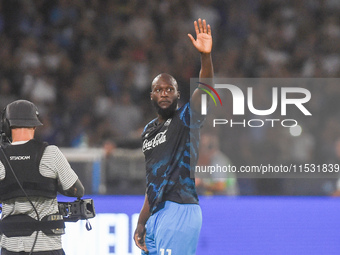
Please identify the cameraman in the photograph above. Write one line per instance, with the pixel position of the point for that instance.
(41, 170)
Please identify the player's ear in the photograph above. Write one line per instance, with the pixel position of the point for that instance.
(151, 95)
(178, 94)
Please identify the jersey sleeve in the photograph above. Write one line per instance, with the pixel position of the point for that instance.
(191, 118)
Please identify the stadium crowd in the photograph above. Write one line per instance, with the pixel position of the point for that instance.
(88, 66)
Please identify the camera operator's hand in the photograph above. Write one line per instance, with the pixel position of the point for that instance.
(139, 237)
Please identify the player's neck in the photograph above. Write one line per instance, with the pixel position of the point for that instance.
(160, 119)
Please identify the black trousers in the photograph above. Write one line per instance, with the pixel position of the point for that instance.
(55, 252)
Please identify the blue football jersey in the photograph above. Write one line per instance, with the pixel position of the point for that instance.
(171, 152)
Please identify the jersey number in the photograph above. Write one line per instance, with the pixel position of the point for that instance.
(168, 251)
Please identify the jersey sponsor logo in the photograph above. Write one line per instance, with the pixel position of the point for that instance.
(19, 157)
(157, 140)
(167, 123)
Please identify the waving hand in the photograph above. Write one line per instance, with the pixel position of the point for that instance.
(203, 42)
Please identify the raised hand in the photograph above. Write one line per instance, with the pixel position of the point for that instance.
(203, 42)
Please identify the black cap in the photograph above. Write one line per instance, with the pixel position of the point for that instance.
(22, 113)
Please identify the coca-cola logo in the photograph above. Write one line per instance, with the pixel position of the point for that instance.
(157, 140)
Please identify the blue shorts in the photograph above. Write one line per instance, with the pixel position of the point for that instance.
(174, 230)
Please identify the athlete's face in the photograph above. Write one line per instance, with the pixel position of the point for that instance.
(165, 95)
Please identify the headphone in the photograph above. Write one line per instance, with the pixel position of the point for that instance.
(5, 126)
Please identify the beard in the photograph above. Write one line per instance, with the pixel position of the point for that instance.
(168, 112)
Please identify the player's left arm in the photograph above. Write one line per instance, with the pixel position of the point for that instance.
(203, 44)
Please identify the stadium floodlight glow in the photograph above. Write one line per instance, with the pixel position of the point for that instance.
(295, 131)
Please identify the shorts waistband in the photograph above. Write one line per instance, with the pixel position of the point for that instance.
(159, 207)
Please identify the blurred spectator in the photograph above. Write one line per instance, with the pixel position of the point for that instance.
(6, 95)
(127, 114)
(336, 188)
(109, 149)
(214, 183)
